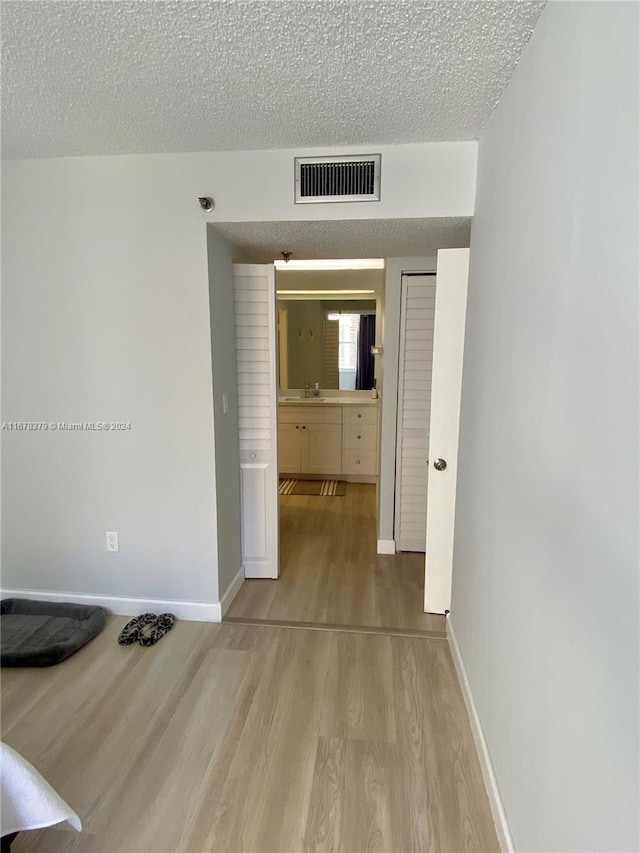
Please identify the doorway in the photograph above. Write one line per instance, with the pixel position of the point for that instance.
(328, 466)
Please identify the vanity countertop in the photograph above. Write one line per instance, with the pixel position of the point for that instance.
(327, 401)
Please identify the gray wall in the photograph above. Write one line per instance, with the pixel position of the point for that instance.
(545, 589)
(223, 359)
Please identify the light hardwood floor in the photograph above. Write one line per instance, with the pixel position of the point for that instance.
(330, 572)
(242, 738)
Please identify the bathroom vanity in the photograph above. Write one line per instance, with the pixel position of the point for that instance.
(329, 437)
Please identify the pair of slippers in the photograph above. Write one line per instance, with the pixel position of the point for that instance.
(146, 629)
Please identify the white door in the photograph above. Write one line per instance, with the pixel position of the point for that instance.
(417, 311)
(448, 348)
(255, 304)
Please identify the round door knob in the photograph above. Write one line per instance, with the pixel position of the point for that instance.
(297, 427)
(440, 464)
(304, 427)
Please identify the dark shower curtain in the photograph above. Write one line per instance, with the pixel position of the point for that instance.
(366, 339)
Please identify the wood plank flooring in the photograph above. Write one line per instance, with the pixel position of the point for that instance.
(330, 572)
(244, 738)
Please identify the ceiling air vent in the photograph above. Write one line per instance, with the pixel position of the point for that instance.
(320, 179)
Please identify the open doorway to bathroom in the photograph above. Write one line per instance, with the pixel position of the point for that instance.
(328, 424)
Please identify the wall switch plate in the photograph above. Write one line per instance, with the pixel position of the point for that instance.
(225, 403)
(112, 541)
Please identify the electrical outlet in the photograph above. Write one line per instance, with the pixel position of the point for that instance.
(112, 541)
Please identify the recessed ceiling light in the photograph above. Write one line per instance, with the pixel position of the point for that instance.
(333, 264)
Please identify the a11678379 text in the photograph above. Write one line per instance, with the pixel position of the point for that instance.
(66, 426)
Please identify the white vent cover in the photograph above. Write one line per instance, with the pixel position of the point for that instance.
(345, 178)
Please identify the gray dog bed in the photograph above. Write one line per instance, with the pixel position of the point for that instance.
(43, 633)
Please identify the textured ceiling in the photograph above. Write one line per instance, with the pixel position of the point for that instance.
(354, 238)
(123, 77)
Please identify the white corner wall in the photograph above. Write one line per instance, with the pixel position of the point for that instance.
(545, 592)
(106, 318)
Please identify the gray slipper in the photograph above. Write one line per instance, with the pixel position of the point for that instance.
(154, 631)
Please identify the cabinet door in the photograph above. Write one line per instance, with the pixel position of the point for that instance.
(289, 448)
(322, 448)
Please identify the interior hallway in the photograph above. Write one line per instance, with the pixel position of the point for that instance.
(330, 572)
(243, 738)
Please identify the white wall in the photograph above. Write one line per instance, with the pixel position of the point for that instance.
(106, 317)
(545, 592)
(225, 381)
(430, 180)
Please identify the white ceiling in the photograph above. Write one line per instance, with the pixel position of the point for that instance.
(123, 77)
(353, 238)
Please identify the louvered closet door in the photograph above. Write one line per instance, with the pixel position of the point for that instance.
(255, 305)
(414, 406)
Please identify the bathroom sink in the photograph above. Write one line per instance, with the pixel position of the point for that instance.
(305, 399)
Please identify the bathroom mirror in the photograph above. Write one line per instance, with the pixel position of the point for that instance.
(326, 342)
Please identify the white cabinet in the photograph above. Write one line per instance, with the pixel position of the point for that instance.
(329, 440)
(360, 441)
(289, 448)
(310, 440)
(321, 449)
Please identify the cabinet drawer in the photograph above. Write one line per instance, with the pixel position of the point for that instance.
(359, 436)
(359, 462)
(359, 414)
(314, 413)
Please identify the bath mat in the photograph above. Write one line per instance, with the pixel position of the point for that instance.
(319, 488)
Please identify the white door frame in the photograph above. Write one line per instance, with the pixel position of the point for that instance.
(396, 266)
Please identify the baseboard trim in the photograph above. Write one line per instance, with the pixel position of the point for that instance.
(386, 546)
(488, 773)
(188, 611)
(234, 589)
